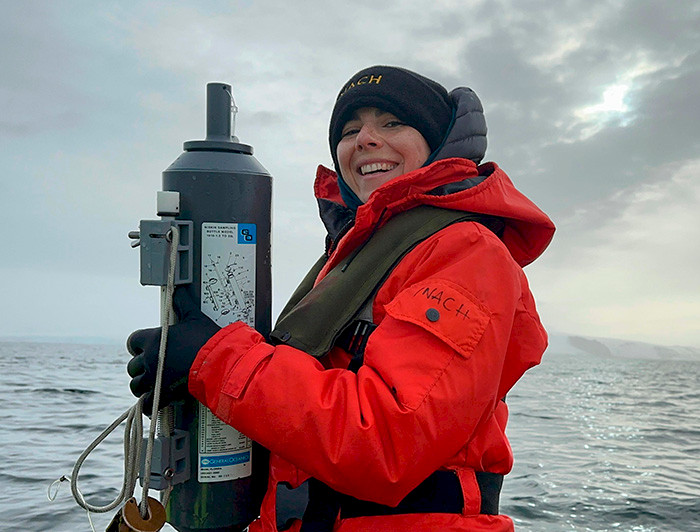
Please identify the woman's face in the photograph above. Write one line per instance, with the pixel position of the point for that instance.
(376, 147)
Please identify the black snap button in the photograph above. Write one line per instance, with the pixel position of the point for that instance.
(286, 336)
(432, 314)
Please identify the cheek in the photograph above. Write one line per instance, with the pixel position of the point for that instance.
(343, 153)
(413, 162)
(415, 155)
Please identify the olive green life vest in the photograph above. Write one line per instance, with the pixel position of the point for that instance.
(315, 316)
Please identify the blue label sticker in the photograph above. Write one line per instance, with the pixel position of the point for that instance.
(226, 460)
(246, 234)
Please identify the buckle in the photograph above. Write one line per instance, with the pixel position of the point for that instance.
(290, 503)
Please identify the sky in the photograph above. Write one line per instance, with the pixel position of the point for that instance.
(592, 110)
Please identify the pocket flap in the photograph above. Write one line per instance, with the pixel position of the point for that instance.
(445, 309)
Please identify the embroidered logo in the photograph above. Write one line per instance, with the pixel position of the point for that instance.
(362, 80)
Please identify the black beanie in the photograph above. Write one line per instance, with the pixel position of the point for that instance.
(414, 99)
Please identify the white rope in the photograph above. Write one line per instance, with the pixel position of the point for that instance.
(133, 434)
(164, 324)
(133, 431)
(57, 483)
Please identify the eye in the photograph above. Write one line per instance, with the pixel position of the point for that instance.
(394, 123)
(349, 131)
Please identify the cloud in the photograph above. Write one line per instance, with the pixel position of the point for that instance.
(38, 94)
(101, 96)
(544, 66)
(633, 274)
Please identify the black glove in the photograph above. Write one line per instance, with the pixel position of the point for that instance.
(185, 339)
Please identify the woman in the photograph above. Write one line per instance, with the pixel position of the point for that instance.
(397, 422)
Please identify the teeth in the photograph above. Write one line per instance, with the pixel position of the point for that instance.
(375, 167)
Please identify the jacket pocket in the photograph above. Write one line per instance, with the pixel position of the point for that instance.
(423, 346)
(445, 309)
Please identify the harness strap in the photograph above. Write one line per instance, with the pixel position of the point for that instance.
(441, 492)
(318, 313)
(354, 340)
(322, 508)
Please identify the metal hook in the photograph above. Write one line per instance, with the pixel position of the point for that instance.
(234, 108)
(234, 111)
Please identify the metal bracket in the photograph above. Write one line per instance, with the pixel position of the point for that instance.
(170, 464)
(154, 242)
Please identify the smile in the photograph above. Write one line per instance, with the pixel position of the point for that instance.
(376, 167)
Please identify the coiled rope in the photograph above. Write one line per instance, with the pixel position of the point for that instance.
(133, 431)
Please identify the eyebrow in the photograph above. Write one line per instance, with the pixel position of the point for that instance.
(377, 112)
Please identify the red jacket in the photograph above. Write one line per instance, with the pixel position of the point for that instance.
(428, 394)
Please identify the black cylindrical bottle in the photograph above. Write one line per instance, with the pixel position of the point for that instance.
(227, 194)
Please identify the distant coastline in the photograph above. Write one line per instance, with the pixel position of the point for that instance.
(565, 344)
(79, 340)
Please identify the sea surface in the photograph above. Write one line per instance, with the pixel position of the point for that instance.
(600, 444)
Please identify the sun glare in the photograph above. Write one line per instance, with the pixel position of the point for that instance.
(614, 99)
(612, 106)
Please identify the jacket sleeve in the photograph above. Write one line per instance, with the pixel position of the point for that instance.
(432, 371)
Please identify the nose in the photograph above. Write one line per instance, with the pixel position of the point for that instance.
(368, 137)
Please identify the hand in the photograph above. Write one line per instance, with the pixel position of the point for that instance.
(185, 339)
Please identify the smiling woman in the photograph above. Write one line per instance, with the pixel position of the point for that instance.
(379, 392)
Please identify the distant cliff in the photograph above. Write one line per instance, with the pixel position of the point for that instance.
(561, 344)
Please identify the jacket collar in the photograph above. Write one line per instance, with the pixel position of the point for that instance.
(453, 183)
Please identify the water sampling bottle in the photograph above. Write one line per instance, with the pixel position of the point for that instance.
(219, 197)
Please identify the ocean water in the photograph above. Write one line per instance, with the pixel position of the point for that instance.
(600, 444)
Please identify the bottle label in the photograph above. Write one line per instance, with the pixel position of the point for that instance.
(228, 295)
(228, 272)
(224, 453)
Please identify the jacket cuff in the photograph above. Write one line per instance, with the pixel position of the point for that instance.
(217, 358)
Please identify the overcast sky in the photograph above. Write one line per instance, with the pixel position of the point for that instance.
(592, 108)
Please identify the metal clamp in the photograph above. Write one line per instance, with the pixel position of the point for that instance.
(154, 240)
(170, 464)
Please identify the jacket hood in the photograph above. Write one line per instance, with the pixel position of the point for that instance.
(466, 138)
(453, 183)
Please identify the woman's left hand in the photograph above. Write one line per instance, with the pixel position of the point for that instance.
(185, 339)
